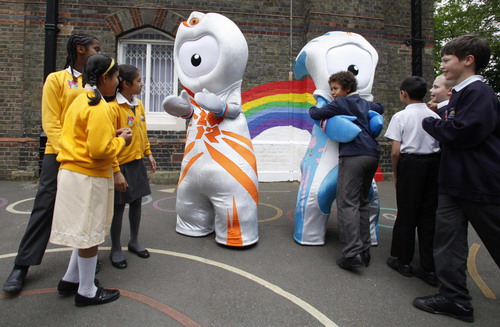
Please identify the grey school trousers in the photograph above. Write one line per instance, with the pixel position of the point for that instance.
(353, 215)
(36, 236)
(451, 248)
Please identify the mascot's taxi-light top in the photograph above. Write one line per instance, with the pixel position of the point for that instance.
(320, 58)
(218, 185)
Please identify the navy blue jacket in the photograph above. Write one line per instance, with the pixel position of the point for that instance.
(470, 144)
(364, 144)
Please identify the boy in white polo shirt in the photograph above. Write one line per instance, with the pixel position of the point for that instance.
(415, 163)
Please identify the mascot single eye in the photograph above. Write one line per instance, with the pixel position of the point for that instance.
(196, 60)
(351, 58)
(199, 57)
(353, 69)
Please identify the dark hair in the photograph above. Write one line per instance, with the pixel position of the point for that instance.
(95, 66)
(469, 44)
(415, 86)
(74, 41)
(127, 74)
(346, 79)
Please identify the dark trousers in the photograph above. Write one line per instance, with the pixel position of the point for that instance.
(417, 201)
(353, 206)
(36, 236)
(450, 242)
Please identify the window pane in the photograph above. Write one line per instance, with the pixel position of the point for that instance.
(162, 75)
(136, 55)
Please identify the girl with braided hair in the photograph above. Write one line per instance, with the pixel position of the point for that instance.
(83, 209)
(59, 91)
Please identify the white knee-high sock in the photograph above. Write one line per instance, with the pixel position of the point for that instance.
(72, 275)
(86, 269)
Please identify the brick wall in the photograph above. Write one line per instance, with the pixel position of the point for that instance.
(265, 24)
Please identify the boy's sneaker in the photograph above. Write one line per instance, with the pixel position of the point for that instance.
(441, 305)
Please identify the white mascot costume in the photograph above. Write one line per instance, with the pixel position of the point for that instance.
(321, 57)
(218, 185)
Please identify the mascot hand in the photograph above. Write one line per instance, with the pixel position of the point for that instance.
(178, 106)
(341, 128)
(376, 123)
(210, 102)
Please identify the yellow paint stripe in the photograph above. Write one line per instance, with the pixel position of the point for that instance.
(471, 267)
(278, 214)
(274, 288)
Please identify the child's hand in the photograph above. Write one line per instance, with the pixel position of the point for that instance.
(120, 182)
(126, 133)
(432, 105)
(152, 162)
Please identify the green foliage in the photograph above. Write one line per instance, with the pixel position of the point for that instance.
(453, 18)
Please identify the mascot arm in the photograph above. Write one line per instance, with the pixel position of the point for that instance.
(376, 123)
(213, 103)
(178, 106)
(340, 128)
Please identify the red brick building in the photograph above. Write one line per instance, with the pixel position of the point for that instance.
(143, 32)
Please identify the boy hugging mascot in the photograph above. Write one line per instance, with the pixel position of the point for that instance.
(218, 185)
(321, 57)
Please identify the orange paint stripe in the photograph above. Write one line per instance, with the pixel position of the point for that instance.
(162, 307)
(244, 152)
(188, 148)
(189, 164)
(234, 171)
(155, 304)
(243, 139)
(234, 237)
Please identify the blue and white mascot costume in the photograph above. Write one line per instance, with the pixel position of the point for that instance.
(218, 185)
(320, 58)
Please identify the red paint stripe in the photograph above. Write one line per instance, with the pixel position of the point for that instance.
(275, 88)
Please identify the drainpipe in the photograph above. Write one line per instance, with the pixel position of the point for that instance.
(416, 37)
(49, 63)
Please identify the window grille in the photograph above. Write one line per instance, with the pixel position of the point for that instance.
(152, 52)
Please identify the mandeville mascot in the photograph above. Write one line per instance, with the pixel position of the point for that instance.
(218, 185)
(321, 57)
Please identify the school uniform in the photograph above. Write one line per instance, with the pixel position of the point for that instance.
(132, 115)
(441, 108)
(469, 182)
(59, 91)
(358, 162)
(416, 185)
(84, 201)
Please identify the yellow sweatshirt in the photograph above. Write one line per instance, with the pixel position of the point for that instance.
(88, 141)
(139, 147)
(59, 91)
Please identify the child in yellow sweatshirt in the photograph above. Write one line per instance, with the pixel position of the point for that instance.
(132, 175)
(59, 91)
(84, 202)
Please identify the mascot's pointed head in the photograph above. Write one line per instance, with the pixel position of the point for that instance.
(334, 52)
(210, 52)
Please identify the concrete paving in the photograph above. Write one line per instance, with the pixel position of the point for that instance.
(195, 282)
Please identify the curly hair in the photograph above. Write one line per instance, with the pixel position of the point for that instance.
(346, 79)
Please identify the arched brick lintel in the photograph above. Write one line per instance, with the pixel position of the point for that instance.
(124, 21)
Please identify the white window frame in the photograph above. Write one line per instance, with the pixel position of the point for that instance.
(157, 121)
